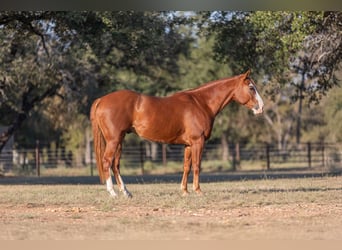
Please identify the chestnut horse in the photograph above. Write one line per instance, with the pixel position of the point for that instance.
(185, 117)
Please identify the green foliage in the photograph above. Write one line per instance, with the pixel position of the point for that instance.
(54, 64)
(333, 115)
(279, 35)
(235, 41)
(298, 54)
(280, 44)
(78, 56)
(324, 122)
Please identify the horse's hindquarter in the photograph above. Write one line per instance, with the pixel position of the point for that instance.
(115, 111)
(167, 120)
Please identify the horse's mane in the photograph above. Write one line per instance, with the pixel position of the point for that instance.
(208, 85)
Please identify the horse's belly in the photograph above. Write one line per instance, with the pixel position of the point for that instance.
(159, 119)
(162, 132)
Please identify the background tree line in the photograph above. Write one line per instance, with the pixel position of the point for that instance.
(54, 64)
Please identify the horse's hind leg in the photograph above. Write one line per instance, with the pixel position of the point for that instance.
(108, 158)
(116, 171)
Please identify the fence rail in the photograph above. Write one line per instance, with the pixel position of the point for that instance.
(237, 156)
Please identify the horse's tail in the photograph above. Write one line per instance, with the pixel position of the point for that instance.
(99, 142)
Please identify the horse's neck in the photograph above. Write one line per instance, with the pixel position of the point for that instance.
(216, 95)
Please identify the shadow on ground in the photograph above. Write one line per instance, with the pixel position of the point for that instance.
(174, 178)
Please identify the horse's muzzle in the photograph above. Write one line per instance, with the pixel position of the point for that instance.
(257, 110)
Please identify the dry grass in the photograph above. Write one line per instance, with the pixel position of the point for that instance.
(308, 208)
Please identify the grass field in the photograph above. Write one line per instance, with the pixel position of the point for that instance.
(306, 208)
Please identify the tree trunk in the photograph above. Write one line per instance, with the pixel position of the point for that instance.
(87, 155)
(154, 151)
(225, 147)
(6, 135)
(300, 107)
(164, 155)
(148, 154)
(28, 102)
(237, 155)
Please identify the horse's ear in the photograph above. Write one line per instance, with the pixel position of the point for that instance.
(248, 73)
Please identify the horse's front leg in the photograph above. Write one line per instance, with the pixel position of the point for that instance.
(196, 156)
(186, 171)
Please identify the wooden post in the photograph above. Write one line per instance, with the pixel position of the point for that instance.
(142, 157)
(309, 154)
(268, 162)
(37, 159)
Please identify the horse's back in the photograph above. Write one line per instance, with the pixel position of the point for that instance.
(121, 100)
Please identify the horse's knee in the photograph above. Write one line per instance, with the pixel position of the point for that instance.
(186, 169)
(196, 170)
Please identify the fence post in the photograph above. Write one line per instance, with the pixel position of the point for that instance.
(37, 159)
(268, 162)
(309, 154)
(142, 157)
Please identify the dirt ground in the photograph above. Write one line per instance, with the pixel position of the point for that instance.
(286, 222)
(308, 208)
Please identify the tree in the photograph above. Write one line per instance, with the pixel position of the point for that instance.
(76, 55)
(326, 118)
(286, 47)
(235, 40)
(28, 71)
(317, 62)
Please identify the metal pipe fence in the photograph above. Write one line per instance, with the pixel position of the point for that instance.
(239, 156)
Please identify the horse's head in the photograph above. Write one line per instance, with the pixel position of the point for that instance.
(247, 94)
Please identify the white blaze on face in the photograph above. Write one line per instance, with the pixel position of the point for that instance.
(259, 108)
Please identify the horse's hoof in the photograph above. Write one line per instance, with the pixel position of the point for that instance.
(199, 192)
(185, 193)
(128, 195)
(114, 196)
